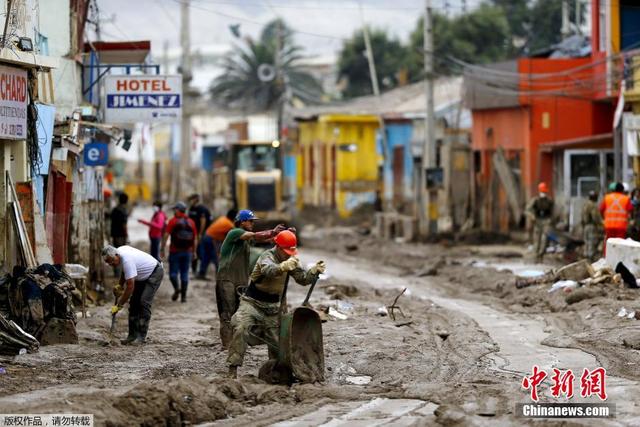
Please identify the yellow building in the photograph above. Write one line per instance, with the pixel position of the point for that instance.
(338, 161)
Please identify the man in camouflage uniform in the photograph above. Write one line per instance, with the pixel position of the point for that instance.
(591, 226)
(540, 210)
(257, 319)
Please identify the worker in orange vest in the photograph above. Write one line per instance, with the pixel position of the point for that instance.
(615, 208)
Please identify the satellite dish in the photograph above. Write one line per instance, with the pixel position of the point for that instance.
(266, 72)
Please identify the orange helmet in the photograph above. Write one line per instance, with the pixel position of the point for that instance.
(287, 241)
(542, 187)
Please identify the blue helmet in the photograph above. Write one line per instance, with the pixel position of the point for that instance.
(245, 215)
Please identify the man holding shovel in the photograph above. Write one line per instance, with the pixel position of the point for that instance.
(260, 307)
(234, 267)
(141, 277)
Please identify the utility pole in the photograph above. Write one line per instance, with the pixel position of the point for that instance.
(428, 209)
(165, 57)
(372, 64)
(566, 23)
(184, 174)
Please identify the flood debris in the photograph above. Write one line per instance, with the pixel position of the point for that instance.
(431, 269)
(565, 285)
(339, 291)
(40, 301)
(332, 312)
(14, 340)
(394, 306)
(358, 380)
(627, 277)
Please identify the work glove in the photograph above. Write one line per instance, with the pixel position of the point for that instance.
(290, 264)
(115, 309)
(318, 268)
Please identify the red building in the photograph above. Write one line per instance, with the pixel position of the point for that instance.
(553, 116)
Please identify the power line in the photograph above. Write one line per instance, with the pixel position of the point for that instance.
(251, 21)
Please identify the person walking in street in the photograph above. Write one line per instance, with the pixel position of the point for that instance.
(212, 241)
(234, 267)
(591, 226)
(183, 234)
(540, 211)
(141, 277)
(201, 217)
(156, 229)
(119, 217)
(615, 209)
(259, 311)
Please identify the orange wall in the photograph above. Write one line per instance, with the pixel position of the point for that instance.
(569, 112)
(510, 130)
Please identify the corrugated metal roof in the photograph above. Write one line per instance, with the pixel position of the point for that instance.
(405, 101)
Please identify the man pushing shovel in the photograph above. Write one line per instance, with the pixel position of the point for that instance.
(259, 312)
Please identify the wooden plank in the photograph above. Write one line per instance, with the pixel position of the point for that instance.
(18, 222)
(508, 182)
(25, 197)
(51, 91)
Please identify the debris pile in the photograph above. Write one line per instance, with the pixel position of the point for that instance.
(13, 340)
(40, 303)
(581, 280)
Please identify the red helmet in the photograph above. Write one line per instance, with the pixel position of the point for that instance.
(542, 187)
(287, 241)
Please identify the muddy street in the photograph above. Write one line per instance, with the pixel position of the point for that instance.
(455, 355)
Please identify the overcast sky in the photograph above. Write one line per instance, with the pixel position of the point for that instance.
(321, 24)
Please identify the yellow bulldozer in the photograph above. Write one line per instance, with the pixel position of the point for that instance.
(256, 180)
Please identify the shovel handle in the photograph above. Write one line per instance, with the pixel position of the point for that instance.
(313, 285)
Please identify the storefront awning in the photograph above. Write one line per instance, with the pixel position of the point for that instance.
(121, 52)
(603, 140)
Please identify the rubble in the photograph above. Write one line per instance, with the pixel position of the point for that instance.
(13, 339)
(340, 292)
(40, 302)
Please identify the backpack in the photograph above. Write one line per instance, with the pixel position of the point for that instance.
(182, 236)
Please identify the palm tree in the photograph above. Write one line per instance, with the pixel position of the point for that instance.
(263, 75)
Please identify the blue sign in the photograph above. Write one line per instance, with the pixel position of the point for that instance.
(96, 154)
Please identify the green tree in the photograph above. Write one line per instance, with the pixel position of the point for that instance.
(546, 24)
(517, 14)
(252, 79)
(480, 36)
(389, 55)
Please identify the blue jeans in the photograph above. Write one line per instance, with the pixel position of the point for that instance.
(207, 255)
(179, 263)
(155, 247)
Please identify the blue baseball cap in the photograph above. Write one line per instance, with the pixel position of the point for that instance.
(245, 215)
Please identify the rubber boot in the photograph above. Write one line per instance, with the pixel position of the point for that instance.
(133, 331)
(233, 372)
(176, 290)
(143, 328)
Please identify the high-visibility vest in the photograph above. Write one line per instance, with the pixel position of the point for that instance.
(615, 211)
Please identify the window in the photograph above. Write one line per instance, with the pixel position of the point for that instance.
(257, 158)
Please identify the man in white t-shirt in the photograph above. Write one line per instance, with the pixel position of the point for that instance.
(141, 277)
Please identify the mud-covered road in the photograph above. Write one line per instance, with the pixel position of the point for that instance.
(457, 357)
